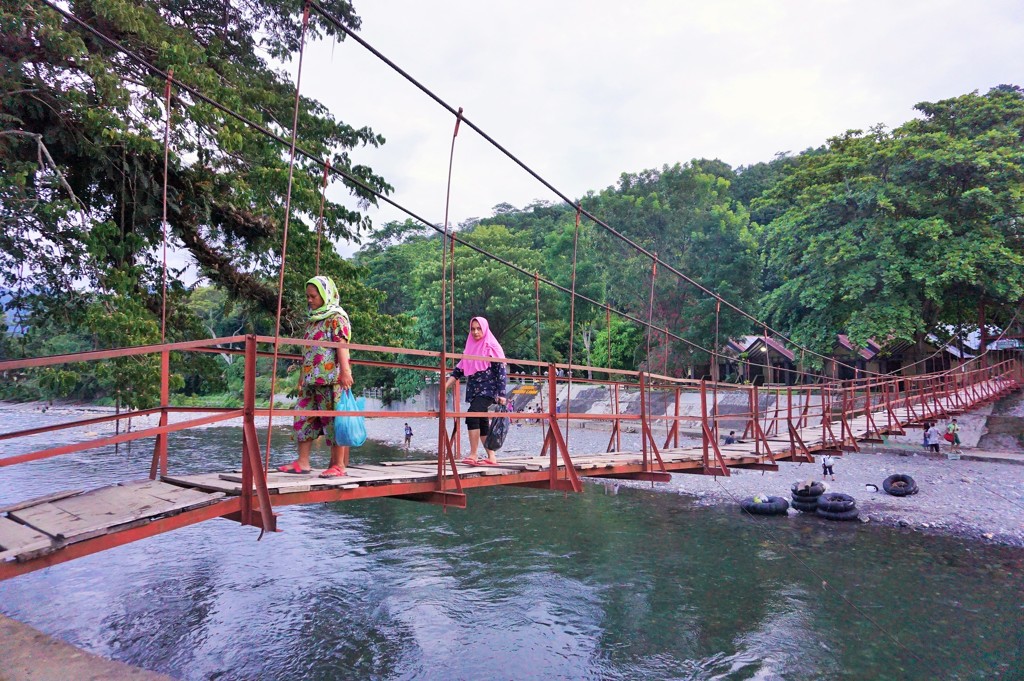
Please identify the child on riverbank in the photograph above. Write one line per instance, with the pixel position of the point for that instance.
(325, 373)
(932, 437)
(827, 461)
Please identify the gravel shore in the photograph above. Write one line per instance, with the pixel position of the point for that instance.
(978, 499)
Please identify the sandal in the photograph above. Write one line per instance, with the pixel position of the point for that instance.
(486, 462)
(293, 467)
(333, 472)
(470, 462)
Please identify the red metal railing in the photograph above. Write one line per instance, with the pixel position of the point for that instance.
(831, 406)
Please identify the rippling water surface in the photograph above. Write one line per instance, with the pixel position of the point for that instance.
(524, 584)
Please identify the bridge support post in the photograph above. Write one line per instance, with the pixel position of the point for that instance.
(254, 477)
(709, 440)
(672, 437)
(616, 434)
(447, 448)
(159, 464)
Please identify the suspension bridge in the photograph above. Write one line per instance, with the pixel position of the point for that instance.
(833, 417)
(796, 423)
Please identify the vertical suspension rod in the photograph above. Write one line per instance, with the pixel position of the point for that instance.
(284, 239)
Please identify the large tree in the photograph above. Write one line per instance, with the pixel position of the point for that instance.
(893, 235)
(82, 160)
(93, 214)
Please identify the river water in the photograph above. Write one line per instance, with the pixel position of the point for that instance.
(525, 584)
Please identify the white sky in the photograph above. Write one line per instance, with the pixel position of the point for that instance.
(583, 91)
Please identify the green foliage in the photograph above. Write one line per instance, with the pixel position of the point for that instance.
(90, 219)
(889, 234)
(627, 345)
(686, 215)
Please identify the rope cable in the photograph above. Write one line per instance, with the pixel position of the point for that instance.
(572, 321)
(320, 219)
(167, 146)
(362, 185)
(636, 246)
(284, 240)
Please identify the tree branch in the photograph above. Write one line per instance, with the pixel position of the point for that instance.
(45, 153)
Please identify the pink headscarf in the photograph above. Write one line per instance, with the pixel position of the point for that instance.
(487, 346)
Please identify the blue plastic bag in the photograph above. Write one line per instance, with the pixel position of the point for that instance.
(350, 431)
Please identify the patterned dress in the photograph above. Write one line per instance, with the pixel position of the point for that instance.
(318, 384)
(490, 383)
(482, 390)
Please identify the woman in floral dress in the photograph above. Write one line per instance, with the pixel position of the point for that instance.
(326, 371)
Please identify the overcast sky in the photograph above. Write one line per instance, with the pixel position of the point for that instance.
(584, 91)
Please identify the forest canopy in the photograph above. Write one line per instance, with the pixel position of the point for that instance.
(82, 169)
(880, 234)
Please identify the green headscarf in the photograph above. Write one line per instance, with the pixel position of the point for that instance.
(329, 294)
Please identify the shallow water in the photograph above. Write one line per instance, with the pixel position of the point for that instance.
(524, 584)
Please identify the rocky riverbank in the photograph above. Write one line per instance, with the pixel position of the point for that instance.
(979, 499)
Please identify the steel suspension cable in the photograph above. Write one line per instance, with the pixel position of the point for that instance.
(608, 330)
(636, 246)
(320, 219)
(664, 372)
(650, 332)
(572, 322)
(284, 241)
(163, 222)
(361, 184)
(714, 385)
(536, 302)
(357, 181)
(1002, 333)
(446, 243)
(451, 307)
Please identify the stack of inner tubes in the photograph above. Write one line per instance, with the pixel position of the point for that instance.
(900, 485)
(773, 506)
(805, 498)
(837, 506)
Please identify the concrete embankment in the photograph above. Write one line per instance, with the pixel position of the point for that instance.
(30, 655)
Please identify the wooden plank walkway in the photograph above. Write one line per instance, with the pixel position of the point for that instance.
(42, 526)
(516, 470)
(64, 525)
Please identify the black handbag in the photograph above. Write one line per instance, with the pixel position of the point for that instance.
(497, 429)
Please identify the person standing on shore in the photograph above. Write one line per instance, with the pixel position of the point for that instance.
(827, 461)
(953, 436)
(932, 435)
(408, 436)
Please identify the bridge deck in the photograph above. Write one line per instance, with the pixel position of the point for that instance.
(40, 526)
(68, 524)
